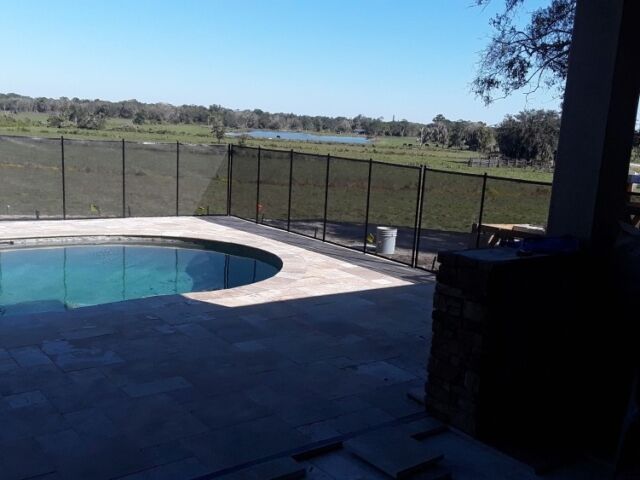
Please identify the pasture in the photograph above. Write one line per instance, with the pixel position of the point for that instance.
(31, 179)
(31, 186)
(397, 150)
(450, 204)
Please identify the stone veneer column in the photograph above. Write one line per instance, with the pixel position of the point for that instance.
(510, 339)
(459, 322)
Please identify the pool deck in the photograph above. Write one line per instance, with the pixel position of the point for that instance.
(196, 385)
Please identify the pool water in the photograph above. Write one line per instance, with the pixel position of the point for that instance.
(45, 279)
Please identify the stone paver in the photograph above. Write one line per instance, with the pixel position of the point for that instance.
(184, 385)
(187, 468)
(25, 399)
(280, 469)
(159, 386)
(394, 452)
(30, 357)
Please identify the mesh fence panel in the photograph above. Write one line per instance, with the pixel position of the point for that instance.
(392, 203)
(274, 188)
(450, 207)
(30, 178)
(509, 201)
(347, 202)
(307, 194)
(31, 187)
(150, 179)
(203, 180)
(244, 176)
(93, 173)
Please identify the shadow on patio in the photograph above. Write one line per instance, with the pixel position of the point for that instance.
(106, 391)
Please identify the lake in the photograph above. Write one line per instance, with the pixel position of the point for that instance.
(300, 136)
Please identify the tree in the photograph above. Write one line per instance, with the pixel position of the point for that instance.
(55, 121)
(440, 118)
(438, 133)
(479, 137)
(530, 56)
(457, 134)
(217, 127)
(138, 118)
(91, 121)
(530, 135)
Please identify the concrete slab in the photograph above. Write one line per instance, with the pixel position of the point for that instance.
(279, 469)
(393, 452)
(211, 379)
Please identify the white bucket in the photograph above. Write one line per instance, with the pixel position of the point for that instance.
(386, 240)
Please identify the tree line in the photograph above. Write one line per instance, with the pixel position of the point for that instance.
(84, 113)
(530, 135)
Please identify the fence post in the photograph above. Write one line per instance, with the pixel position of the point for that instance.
(290, 185)
(418, 221)
(484, 189)
(64, 187)
(366, 213)
(326, 199)
(177, 178)
(258, 187)
(124, 201)
(229, 178)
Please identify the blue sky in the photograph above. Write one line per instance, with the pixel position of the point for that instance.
(408, 58)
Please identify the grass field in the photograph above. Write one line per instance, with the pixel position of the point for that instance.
(31, 183)
(450, 206)
(384, 149)
(31, 179)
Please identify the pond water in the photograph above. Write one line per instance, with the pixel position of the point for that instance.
(300, 136)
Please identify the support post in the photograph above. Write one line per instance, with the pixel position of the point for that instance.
(228, 179)
(124, 201)
(177, 178)
(326, 199)
(258, 187)
(230, 196)
(598, 120)
(423, 194)
(418, 220)
(290, 186)
(366, 214)
(481, 213)
(64, 187)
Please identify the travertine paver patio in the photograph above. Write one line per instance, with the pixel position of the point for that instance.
(194, 386)
(206, 381)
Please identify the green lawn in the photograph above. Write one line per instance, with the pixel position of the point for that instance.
(385, 149)
(31, 180)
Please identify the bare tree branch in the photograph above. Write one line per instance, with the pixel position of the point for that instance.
(518, 56)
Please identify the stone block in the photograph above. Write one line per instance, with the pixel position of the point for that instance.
(393, 452)
(25, 399)
(474, 311)
(448, 290)
(437, 393)
(188, 468)
(448, 304)
(472, 382)
(278, 469)
(29, 357)
(158, 386)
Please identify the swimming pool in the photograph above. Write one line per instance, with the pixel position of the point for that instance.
(47, 275)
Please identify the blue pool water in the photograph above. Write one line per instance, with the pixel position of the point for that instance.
(60, 278)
